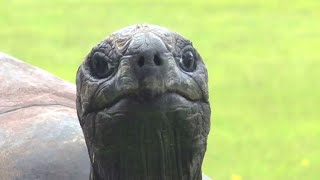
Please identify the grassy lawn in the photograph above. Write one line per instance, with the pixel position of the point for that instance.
(263, 59)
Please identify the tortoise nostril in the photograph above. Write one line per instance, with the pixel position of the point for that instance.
(141, 61)
(149, 59)
(157, 60)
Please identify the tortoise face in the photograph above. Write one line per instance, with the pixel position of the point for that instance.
(142, 72)
(140, 61)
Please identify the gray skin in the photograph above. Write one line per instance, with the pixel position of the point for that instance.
(40, 135)
(142, 103)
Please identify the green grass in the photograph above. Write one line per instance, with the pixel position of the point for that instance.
(263, 59)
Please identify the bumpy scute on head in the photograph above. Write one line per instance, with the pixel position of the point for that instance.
(142, 102)
(98, 88)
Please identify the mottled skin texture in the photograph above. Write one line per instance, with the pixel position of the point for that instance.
(142, 103)
(40, 135)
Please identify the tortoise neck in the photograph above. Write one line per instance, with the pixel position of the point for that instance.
(156, 160)
(151, 145)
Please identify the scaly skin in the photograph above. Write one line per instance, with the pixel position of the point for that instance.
(142, 103)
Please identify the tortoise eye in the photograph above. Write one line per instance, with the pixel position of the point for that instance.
(102, 66)
(188, 62)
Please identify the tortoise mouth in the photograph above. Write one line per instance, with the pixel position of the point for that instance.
(148, 100)
(149, 139)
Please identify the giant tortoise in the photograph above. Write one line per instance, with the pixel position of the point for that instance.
(140, 110)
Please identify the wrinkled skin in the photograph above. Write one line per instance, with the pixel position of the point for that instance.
(142, 103)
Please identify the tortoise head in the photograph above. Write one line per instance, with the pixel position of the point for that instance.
(142, 103)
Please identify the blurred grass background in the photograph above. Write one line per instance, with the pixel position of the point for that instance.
(263, 59)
